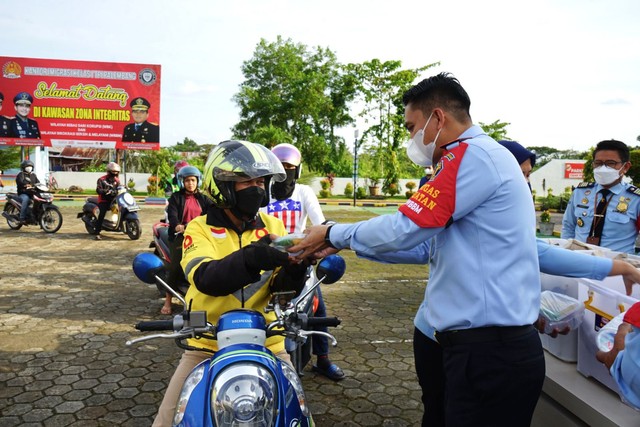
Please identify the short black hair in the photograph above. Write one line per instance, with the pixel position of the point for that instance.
(442, 90)
(614, 145)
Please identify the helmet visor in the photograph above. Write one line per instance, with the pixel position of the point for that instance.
(244, 161)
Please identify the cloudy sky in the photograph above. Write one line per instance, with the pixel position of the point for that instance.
(564, 73)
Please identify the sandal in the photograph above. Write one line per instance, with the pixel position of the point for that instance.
(333, 372)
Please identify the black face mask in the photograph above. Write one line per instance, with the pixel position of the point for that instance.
(283, 190)
(248, 202)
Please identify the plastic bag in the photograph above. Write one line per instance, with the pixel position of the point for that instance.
(560, 311)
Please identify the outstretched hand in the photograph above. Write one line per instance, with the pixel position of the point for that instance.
(630, 274)
(313, 244)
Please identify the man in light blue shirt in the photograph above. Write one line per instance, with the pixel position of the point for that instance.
(605, 213)
(475, 223)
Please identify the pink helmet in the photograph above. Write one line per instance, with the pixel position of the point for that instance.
(179, 165)
(288, 153)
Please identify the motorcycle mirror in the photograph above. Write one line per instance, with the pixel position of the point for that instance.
(331, 268)
(146, 266)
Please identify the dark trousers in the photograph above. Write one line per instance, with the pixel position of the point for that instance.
(429, 368)
(320, 344)
(487, 384)
(176, 274)
(495, 383)
(104, 208)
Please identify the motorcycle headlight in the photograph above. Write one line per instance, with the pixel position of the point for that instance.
(128, 199)
(296, 385)
(244, 394)
(187, 388)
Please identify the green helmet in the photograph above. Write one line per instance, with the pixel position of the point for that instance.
(232, 161)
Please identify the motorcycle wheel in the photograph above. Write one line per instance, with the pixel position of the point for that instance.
(13, 222)
(132, 228)
(90, 225)
(51, 220)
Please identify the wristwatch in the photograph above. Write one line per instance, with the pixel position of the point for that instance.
(327, 240)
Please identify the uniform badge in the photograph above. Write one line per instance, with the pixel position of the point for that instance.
(586, 193)
(622, 207)
(584, 201)
(580, 222)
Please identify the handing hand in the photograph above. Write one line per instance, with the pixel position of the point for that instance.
(630, 274)
(260, 256)
(312, 244)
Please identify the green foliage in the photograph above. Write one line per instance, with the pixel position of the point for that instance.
(545, 216)
(361, 193)
(325, 184)
(300, 92)
(410, 185)
(496, 130)
(324, 194)
(634, 170)
(348, 190)
(9, 158)
(187, 145)
(551, 201)
(545, 154)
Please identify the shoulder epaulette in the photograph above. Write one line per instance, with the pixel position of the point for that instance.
(633, 189)
(586, 185)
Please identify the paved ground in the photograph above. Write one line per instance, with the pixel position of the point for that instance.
(67, 306)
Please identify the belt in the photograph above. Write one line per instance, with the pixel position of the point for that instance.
(478, 335)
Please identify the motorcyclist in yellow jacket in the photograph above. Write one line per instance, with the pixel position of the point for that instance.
(226, 254)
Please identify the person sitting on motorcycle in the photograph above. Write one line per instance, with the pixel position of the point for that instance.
(184, 205)
(226, 254)
(293, 203)
(173, 184)
(107, 188)
(26, 182)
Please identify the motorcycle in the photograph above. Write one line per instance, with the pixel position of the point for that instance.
(43, 212)
(121, 218)
(300, 352)
(243, 383)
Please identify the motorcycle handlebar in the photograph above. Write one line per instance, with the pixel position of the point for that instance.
(155, 325)
(323, 321)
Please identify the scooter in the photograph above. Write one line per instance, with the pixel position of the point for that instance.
(300, 352)
(122, 218)
(243, 383)
(43, 212)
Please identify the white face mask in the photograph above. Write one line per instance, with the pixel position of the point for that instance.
(28, 169)
(417, 151)
(605, 175)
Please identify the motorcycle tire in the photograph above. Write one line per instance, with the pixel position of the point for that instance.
(51, 220)
(13, 222)
(90, 225)
(132, 228)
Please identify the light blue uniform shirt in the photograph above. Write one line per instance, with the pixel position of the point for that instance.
(620, 222)
(478, 232)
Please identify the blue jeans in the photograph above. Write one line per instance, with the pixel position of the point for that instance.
(24, 199)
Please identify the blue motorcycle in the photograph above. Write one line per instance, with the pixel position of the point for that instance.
(243, 383)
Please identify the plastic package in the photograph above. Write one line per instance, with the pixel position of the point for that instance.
(560, 311)
(608, 332)
(284, 242)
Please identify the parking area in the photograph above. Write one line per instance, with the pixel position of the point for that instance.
(69, 303)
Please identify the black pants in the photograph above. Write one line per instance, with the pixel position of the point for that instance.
(481, 384)
(176, 274)
(430, 371)
(104, 208)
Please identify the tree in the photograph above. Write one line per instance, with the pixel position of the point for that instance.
(380, 89)
(187, 145)
(9, 158)
(298, 95)
(496, 130)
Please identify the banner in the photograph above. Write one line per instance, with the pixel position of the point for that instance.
(85, 104)
(573, 170)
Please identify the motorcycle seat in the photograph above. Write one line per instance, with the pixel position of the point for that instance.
(93, 200)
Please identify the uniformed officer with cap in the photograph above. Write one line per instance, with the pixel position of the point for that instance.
(605, 213)
(21, 126)
(140, 130)
(4, 121)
